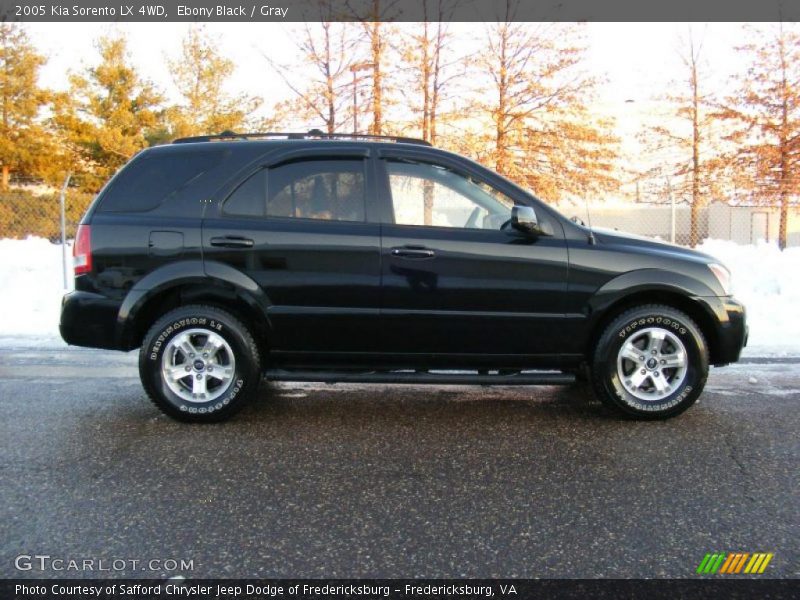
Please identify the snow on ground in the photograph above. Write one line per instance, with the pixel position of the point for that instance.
(765, 279)
(767, 282)
(31, 286)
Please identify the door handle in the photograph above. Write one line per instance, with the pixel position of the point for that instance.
(416, 252)
(231, 242)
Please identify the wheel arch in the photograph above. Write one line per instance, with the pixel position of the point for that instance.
(679, 292)
(162, 291)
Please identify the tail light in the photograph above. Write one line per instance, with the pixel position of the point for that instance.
(82, 250)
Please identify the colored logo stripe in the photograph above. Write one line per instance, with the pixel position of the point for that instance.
(732, 563)
(758, 563)
(727, 564)
(711, 563)
(735, 562)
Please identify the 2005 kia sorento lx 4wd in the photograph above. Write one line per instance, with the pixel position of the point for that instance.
(321, 258)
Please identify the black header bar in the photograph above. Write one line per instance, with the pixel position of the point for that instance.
(208, 11)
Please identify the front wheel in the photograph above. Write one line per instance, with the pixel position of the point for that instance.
(651, 362)
(199, 363)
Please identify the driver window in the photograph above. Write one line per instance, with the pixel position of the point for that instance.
(427, 194)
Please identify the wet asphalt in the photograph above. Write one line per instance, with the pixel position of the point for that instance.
(318, 480)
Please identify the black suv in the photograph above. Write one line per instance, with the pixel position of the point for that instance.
(363, 259)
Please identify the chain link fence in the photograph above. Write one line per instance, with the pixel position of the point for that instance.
(673, 223)
(31, 210)
(28, 210)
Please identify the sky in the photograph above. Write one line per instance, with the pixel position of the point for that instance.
(637, 62)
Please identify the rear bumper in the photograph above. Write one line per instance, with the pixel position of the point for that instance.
(89, 320)
(733, 332)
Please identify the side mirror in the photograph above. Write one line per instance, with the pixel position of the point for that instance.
(524, 219)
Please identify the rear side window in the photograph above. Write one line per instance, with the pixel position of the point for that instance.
(152, 179)
(331, 190)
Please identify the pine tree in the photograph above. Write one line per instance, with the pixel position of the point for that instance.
(200, 73)
(109, 115)
(22, 137)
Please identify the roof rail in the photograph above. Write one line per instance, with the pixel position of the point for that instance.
(311, 135)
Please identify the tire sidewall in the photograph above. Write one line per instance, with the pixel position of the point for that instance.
(245, 376)
(696, 371)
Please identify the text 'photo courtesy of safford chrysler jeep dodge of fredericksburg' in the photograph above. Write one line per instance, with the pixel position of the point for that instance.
(323, 257)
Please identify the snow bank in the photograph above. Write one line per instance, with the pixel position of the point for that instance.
(767, 281)
(31, 286)
(764, 278)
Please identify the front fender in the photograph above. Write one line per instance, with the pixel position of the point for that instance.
(647, 280)
(652, 283)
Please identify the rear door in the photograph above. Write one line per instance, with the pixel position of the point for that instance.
(300, 227)
(455, 281)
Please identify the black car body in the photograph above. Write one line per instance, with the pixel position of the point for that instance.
(303, 241)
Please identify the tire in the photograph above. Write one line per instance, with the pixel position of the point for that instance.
(651, 362)
(191, 385)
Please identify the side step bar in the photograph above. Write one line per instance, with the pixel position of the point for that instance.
(440, 377)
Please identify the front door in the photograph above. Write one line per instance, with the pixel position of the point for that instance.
(457, 279)
(299, 229)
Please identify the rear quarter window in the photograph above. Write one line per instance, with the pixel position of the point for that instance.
(152, 179)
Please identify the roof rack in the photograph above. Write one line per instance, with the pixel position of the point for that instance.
(311, 135)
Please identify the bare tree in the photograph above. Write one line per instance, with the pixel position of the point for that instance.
(430, 66)
(376, 47)
(328, 48)
(374, 40)
(683, 140)
(765, 115)
(544, 135)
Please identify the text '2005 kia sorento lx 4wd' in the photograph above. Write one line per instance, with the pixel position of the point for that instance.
(347, 258)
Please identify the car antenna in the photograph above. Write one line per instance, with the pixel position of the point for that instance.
(592, 240)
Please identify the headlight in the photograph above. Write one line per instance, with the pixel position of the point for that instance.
(723, 275)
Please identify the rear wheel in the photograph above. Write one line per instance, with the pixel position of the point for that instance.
(651, 362)
(199, 363)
